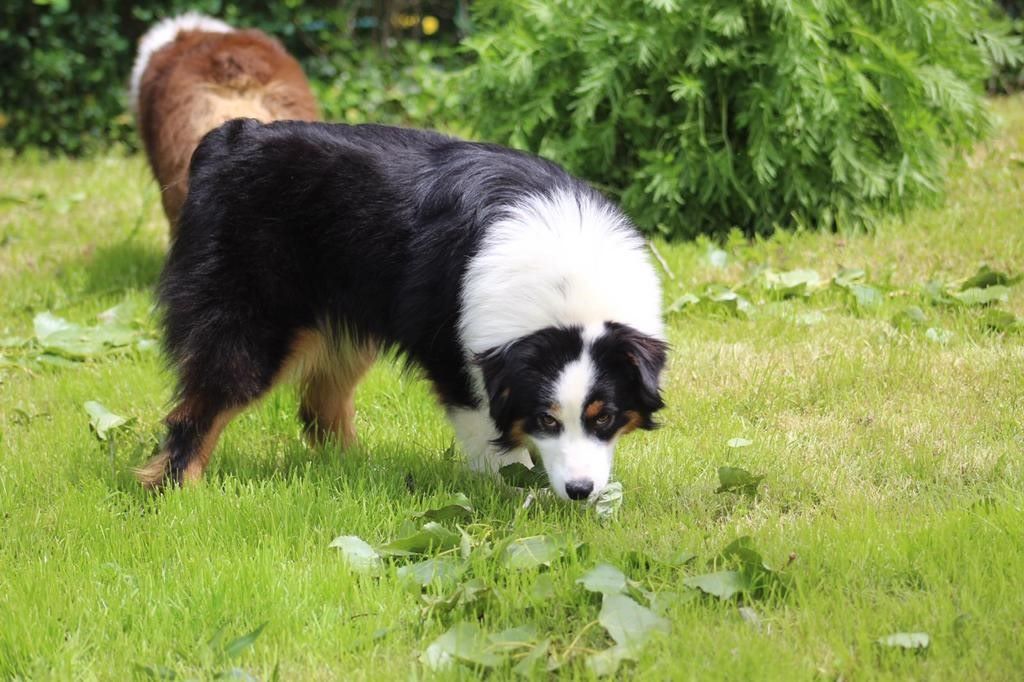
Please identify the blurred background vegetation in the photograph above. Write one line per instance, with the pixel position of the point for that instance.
(700, 116)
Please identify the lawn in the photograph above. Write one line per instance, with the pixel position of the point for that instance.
(884, 410)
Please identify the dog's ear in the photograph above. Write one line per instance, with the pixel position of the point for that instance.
(641, 356)
(496, 366)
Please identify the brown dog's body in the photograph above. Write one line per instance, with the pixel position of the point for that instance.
(193, 73)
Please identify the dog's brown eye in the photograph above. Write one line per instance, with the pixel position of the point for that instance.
(603, 420)
(547, 421)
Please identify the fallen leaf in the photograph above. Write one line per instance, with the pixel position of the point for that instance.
(1001, 321)
(544, 587)
(60, 337)
(987, 277)
(467, 593)
(438, 570)
(982, 297)
(458, 508)
(908, 318)
(607, 662)
(102, 421)
(848, 276)
(739, 442)
(736, 480)
(359, 555)
(628, 623)
(722, 584)
(531, 552)
(608, 501)
(463, 642)
(519, 475)
(792, 283)
(603, 578)
(906, 640)
(528, 664)
(866, 296)
(520, 637)
(432, 537)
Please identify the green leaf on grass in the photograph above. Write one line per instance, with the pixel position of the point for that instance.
(906, 640)
(908, 318)
(432, 537)
(519, 475)
(130, 312)
(457, 508)
(847, 276)
(982, 297)
(736, 480)
(60, 337)
(866, 296)
(469, 592)
(792, 283)
(684, 301)
(531, 552)
(938, 335)
(722, 584)
(544, 587)
(240, 644)
(463, 642)
(1000, 321)
(629, 623)
(607, 662)
(987, 277)
(528, 664)
(46, 324)
(760, 577)
(441, 570)
(603, 578)
(721, 297)
(359, 555)
(102, 421)
(521, 637)
(608, 501)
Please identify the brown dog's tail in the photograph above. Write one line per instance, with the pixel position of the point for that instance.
(162, 33)
(191, 74)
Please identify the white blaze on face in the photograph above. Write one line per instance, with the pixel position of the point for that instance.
(574, 456)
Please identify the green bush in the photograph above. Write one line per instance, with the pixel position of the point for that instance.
(703, 115)
(64, 82)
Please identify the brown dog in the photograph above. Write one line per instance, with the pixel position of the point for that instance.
(191, 74)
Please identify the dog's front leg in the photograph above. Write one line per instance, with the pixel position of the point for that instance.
(476, 433)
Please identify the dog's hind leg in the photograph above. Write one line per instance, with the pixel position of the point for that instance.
(216, 384)
(329, 381)
(193, 429)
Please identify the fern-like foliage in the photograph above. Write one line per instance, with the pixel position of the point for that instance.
(703, 115)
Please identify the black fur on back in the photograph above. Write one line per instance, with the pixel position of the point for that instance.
(366, 229)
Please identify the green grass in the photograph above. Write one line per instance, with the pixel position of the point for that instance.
(893, 489)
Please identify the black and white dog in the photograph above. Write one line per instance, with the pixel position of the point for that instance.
(304, 248)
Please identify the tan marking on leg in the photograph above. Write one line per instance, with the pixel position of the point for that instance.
(201, 457)
(593, 409)
(328, 390)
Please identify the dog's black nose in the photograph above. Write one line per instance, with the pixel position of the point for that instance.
(579, 489)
